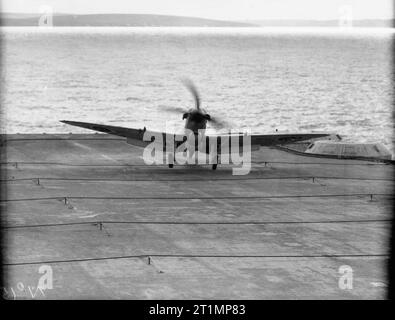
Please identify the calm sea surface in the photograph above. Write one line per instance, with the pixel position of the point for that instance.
(259, 78)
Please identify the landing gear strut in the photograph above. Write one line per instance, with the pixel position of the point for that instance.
(216, 163)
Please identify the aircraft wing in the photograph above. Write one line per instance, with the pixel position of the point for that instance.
(133, 136)
(285, 138)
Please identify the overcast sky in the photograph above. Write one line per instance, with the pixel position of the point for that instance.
(214, 9)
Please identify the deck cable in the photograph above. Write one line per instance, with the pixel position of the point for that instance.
(193, 223)
(168, 198)
(194, 179)
(165, 165)
(142, 256)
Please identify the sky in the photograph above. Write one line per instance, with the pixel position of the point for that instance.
(215, 9)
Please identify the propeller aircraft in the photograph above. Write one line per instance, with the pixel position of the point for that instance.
(194, 138)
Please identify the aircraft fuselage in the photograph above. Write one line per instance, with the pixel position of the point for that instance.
(195, 120)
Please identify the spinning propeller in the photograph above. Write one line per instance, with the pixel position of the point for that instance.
(197, 113)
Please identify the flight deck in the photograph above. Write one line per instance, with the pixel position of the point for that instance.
(112, 227)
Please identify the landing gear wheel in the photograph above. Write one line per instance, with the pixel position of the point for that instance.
(171, 166)
(214, 166)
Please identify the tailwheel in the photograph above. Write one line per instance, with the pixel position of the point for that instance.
(171, 165)
(215, 166)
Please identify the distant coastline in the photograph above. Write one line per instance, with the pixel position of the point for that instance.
(151, 20)
(366, 23)
(117, 20)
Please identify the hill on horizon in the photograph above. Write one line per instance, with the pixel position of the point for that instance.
(154, 20)
(127, 20)
(378, 23)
